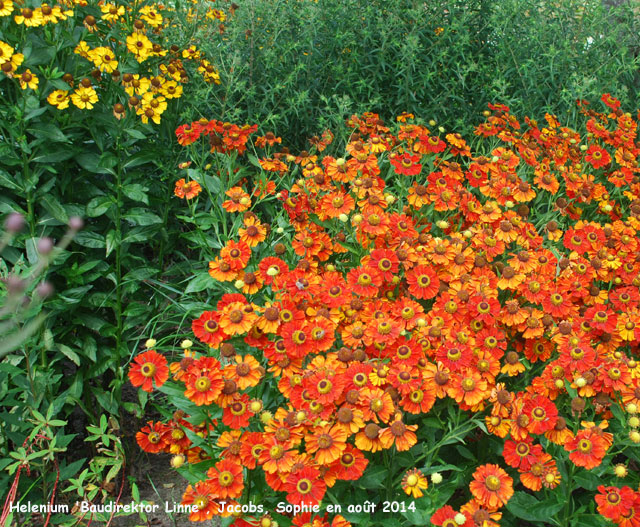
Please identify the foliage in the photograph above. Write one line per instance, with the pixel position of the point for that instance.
(441, 60)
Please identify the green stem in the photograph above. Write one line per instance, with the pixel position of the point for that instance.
(567, 506)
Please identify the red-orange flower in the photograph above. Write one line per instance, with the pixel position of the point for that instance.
(491, 486)
(150, 367)
(305, 485)
(423, 282)
(204, 381)
(187, 190)
(225, 479)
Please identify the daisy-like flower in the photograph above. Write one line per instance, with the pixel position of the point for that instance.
(150, 367)
(399, 434)
(204, 382)
(208, 330)
(6, 7)
(423, 282)
(327, 443)
(188, 190)
(59, 98)
(305, 485)
(414, 482)
(29, 17)
(587, 448)
(150, 438)
(140, 46)
(84, 97)
(201, 497)
(491, 486)
(614, 502)
(597, 156)
(28, 80)
(225, 479)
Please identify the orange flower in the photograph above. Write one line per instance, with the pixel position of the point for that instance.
(225, 479)
(236, 254)
(414, 482)
(253, 232)
(327, 443)
(150, 367)
(403, 436)
(587, 448)
(491, 486)
(204, 381)
(423, 282)
(305, 485)
(351, 464)
(187, 190)
(239, 202)
(468, 387)
(150, 438)
(208, 330)
(237, 318)
(202, 499)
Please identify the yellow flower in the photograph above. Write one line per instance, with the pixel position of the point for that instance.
(191, 53)
(112, 12)
(28, 80)
(151, 108)
(171, 90)
(216, 14)
(140, 46)
(151, 16)
(6, 51)
(135, 85)
(6, 7)
(59, 99)
(10, 67)
(209, 73)
(29, 17)
(104, 59)
(83, 49)
(84, 98)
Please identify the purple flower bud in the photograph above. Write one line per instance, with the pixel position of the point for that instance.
(45, 245)
(14, 223)
(15, 284)
(44, 290)
(76, 223)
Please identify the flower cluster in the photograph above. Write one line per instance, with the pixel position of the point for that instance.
(417, 273)
(111, 43)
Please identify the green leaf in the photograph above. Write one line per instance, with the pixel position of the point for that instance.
(527, 507)
(93, 162)
(141, 158)
(136, 134)
(587, 480)
(373, 478)
(140, 216)
(90, 239)
(69, 353)
(136, 192)
(57, 155)
(53, 207)
(98, 206)
(113, 239)
(48, 131)
(199, 283)
(8, 182)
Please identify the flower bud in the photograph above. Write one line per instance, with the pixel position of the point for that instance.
(186, 344)
(178, 460)
(14, 223)
(45, 246)
(436, 478)
(150, 343)
(460, 519)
